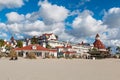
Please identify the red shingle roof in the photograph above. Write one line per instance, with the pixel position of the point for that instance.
(98, 44)
(46, 34)
(30, 47)
(53, 50)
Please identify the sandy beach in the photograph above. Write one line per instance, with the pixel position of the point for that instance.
(59, 69)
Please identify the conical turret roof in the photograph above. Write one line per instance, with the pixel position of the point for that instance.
(98, 44)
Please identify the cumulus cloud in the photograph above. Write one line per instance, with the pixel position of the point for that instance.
(15, 17)
(35, 28)
(52, 13)
(3, 27)
(11, 3)
(15, 28)
(112, 18)
(85, 25)
(30, 24)
(2, 34)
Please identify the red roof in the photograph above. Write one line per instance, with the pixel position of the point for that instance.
(68, 46)
(33, 47)
(60, 47)
(53, 50)
(98, 44)
(46, 34)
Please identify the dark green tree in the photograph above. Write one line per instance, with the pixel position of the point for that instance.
(2, 43)
(118, 49)
(34, 40)
(8, 47)
(19, 44)
(48, 46)
(56, 37)
(109, 49)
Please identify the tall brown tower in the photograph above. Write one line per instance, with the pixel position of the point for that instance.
(98, 44)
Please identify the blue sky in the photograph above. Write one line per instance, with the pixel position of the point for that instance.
(73, 20)
(96, 6)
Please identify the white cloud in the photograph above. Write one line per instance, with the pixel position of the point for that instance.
(112, 18)
(30, 25)
(112, 43)
(15, 17)
(52, 13)
(2, 34)
(35, 28)
(67, 37)
(15, 28)
(19, 36)
(3, 27)
(11, 3)
(82, 2)
(84, 25)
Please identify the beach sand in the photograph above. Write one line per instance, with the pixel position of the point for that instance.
(59, 69)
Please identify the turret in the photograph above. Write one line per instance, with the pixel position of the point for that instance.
(98, 44)
(97, 37)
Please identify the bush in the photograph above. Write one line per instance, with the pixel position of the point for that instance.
(13, 55)
(2, 54)
(31, 55)
(74, 56)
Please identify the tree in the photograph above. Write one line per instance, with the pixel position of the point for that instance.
(34, 40)
(118, 49)
(19, 44)
(109, 49)
(93, 49)
(2, 43)
(97, 54)
(48, 46)
(56, 36)
(8, 47)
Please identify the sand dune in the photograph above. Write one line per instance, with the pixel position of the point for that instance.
(59, 69)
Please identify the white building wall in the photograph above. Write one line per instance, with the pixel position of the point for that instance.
(55, 43)
(52, 37)
(81, 49)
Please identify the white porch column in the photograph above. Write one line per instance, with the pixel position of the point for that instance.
(43, 55)
(55, 54)
(17, 53)
(24, 54)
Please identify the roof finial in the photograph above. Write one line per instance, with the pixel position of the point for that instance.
(97, 36)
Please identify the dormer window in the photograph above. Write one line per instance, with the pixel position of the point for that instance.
(34, 47)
